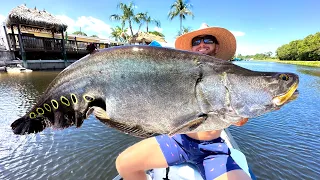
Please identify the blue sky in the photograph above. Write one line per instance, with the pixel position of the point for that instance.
(259, 26)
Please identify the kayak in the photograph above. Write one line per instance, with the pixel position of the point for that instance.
(189, 172)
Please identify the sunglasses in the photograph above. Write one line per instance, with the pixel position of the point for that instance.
(208, 39)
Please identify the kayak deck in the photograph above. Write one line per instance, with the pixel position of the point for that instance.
(189, 172)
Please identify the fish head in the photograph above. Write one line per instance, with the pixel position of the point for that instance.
(231, 93)
(255, 93)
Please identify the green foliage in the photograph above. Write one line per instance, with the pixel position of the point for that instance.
(119, 34)
(258, 56)
(94, 36)
(184, 31)
(79, 33)
(127, 16)
(145, 18)
(307, 49)
(156, 33)
(181, 9)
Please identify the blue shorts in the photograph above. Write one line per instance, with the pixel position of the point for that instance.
(212, 158)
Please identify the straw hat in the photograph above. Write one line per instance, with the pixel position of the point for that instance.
(227, 41)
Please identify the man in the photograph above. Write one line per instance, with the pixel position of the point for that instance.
(206, 150)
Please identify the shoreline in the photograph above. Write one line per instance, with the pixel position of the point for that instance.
(302, 63)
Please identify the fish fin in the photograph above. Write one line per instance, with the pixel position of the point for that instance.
(26, 125)
(136, 130)
(189, 126)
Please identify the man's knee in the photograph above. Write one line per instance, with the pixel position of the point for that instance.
(120, 163)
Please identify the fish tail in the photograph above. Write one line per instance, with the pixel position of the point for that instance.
(27, 125)
(58, 113)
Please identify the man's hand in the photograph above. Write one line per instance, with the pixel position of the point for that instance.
(242, 122)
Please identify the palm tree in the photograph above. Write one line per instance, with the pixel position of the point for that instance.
(148, 20)
(156, 33)
(119, 34)
(79, 33)
(126, 16)
(180, 8)
(184, 31)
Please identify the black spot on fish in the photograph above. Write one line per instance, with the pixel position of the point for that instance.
(54, 104)
(88, 98)
(122, 76)
(47, 107)
(32, 115)
(74, 99)
(40, 111)
(98, 102)
(64, 101)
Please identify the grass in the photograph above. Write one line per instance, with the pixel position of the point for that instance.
(303, 63)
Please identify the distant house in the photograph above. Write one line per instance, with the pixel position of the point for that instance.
(36, 34)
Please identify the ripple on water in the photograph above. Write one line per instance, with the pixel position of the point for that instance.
(279, 145)
(87, 152)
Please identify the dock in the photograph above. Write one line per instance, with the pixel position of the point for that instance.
(39, 41)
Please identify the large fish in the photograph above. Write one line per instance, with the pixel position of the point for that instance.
(143, 91)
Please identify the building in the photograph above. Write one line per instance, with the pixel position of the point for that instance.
(38, 37)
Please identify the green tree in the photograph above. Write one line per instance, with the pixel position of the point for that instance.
(79, 33)
(184, 31)
(181, 9)
(306, 49)
(148, 20)
(119, 34)
(127, 16)
(94, 36)
(156, 33)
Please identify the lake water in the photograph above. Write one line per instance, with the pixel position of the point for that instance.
(279, 145)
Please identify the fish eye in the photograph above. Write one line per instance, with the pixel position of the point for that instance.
(284, 77)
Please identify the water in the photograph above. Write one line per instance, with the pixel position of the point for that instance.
(279, 145)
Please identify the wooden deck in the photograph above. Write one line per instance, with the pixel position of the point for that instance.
(40, 47)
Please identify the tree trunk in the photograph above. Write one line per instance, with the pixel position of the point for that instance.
(130, 26)
(180, 24)
(133, 38)
(147, 27)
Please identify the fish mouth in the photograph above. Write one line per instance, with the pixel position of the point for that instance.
(290, 95)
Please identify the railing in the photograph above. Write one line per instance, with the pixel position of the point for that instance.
(33, 43)
(2, 44)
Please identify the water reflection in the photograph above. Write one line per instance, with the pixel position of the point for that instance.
(278, 145)
(311, 75)
(312, 72)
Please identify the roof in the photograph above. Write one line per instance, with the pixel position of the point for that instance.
(33, 17)
(147, 37)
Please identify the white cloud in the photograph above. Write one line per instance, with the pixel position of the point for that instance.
(89, 25)
(158, 29)
(67, 20)
(133, 30)
(238, 33)
(167, 44)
